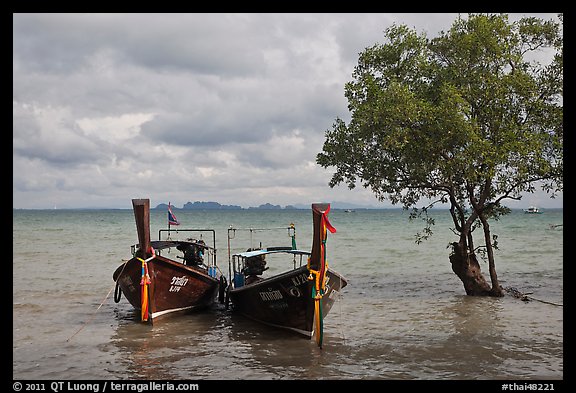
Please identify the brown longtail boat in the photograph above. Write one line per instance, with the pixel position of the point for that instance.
(159, 285)
(296, 299)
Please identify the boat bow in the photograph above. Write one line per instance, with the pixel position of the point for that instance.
(318, 264)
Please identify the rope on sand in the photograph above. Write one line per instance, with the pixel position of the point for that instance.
(524, 296)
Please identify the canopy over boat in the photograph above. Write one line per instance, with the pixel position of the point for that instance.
(272, 250)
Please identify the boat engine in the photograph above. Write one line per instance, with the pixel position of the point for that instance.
(254, 266)
(193, 252)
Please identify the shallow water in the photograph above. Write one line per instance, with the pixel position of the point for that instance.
(403, 316)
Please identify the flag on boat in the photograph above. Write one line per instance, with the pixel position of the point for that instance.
(172, 220)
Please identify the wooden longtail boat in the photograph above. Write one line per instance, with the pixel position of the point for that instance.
(159, 286)
(297, 299)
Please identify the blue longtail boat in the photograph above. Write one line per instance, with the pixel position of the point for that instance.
(296, 299)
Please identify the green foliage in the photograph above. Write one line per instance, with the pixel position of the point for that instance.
(468, 117)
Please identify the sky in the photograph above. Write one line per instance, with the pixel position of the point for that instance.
(230, 108)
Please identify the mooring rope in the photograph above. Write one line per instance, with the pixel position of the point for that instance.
(341, 324)
(93, 313)
(98, 308)
(524, 296)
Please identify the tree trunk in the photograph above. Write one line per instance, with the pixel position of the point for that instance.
(496, 288)
(465, 265)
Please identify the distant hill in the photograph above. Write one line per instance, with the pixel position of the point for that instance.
(201, 205)
(339, 206)
(198, 205)
(209, 205)
(267, 206)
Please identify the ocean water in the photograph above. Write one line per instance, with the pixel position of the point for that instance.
(403, 316)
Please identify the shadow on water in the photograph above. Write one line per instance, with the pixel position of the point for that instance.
(267, 352)
(214, 344)
(176, 347)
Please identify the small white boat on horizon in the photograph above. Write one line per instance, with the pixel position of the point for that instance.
(532, 210)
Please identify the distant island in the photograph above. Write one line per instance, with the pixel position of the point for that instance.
(200, 205)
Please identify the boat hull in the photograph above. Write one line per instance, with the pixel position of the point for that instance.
(285, 301)
(174, 287)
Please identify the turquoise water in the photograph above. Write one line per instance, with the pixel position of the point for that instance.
(403, 316)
